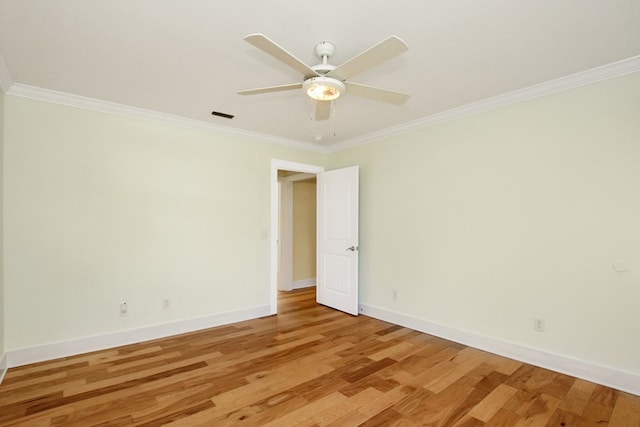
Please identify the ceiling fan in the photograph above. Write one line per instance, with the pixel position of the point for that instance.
(325, 82)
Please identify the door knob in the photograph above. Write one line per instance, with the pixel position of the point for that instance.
(352, 249)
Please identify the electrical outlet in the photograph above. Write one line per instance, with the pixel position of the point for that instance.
(395, 294)
(123, 309)
(165, 304)
(538, 325)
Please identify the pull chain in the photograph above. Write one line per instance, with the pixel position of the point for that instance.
(334, 117)
(312, 112)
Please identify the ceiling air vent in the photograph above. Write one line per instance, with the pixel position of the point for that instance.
(225, 115)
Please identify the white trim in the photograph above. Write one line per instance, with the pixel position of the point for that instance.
(93, 104)
(610, 377)
(304, 283)
(297, 177)
(594, 75)
(604, 72)
(276, 165)
(88, 344)
(5, 76)
(3, 366)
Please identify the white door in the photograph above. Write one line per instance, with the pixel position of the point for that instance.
(337, 222)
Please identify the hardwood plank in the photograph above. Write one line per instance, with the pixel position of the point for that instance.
(488, 407)
(308, 366)
(539, 410)
(626, 412)
(308, 411)
(347, 409)
(578, 397)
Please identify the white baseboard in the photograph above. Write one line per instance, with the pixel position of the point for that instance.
(610, 377)
(41, 353)
(305, 283)
(3, 366)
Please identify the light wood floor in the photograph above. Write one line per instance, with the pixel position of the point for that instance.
(308, 366)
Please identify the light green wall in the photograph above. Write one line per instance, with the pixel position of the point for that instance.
(304, 229)
(1, 223)
(102, 209)
(487, 222)
(481, 224)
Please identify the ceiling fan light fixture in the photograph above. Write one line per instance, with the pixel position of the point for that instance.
(323, 88)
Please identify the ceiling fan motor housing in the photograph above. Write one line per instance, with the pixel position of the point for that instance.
(323, 68)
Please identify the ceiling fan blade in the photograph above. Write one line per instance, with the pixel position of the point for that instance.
(383, 51)
(268, 46)
(376, 93)
(269, 89)
(322, 110)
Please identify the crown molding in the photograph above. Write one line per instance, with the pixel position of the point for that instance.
(616, 69)
(56, 97)
(583, 78)
(5, 77)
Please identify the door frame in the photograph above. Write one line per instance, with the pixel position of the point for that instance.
(276, 165)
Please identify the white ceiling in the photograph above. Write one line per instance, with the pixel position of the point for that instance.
(188, 57)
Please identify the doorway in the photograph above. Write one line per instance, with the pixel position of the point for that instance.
(337, 234)
(289, 169)
(297, 230)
